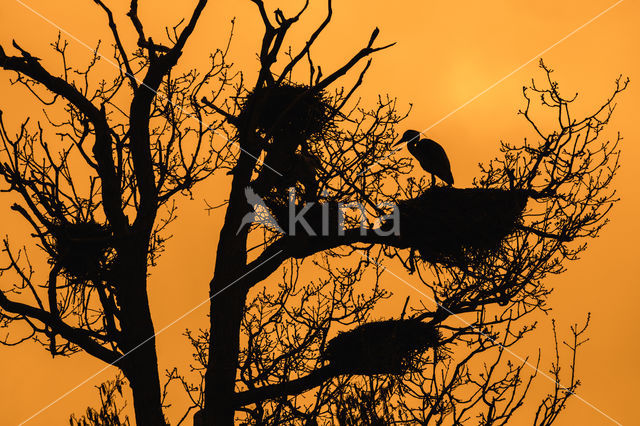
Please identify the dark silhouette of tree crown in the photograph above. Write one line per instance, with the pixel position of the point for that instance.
(280, 353)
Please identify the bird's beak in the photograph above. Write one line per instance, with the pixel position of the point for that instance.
(398, 143)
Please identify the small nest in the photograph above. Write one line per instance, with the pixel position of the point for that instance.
(382, 347)
(81, 249)
(445, 223)
(288, 110)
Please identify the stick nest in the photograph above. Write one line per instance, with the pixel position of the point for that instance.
(81, 249)
(382, 347)
(446, 223)
(288, 110)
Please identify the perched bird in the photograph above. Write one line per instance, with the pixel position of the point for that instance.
(430, 154)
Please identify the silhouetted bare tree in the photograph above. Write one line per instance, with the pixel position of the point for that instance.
(100, 194)
(306, 352)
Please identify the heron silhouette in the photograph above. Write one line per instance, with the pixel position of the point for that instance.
(430, 155)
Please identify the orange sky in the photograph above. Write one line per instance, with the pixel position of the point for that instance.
(447, 53)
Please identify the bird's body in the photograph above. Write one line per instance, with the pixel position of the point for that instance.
(429, 154)
(432, 158)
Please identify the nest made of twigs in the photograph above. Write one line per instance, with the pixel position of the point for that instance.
(445, 222)
(288, 110)
(381, 347)
(81, 248)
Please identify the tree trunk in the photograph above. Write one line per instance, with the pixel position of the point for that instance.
(145, 386)
(228, 293)
(227, 305)
(226, 315)
(140, 363)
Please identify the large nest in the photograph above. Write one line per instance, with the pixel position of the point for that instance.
(81, 249)
(382, 347)
(288, 110)
(448, 223)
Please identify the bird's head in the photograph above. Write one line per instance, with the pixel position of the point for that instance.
(411, 136)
